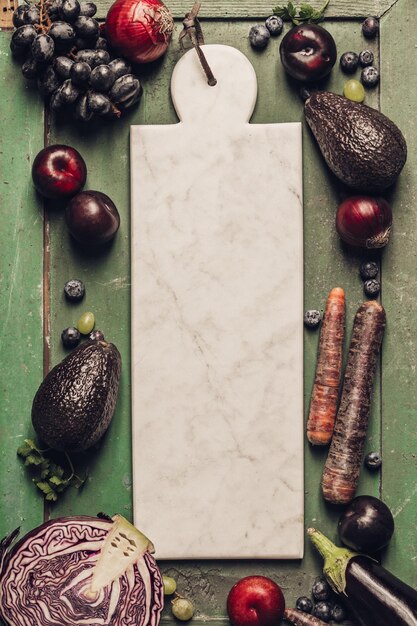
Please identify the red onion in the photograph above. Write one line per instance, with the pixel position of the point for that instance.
(80, 570)
(139, 30)
(364, 222)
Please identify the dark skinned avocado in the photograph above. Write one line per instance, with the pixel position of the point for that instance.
(75, 403)
(362, 147)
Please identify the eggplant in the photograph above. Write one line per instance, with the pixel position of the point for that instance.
(375, 596)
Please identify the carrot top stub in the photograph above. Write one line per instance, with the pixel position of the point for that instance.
(325, 394)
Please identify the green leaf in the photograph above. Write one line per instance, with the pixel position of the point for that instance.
(43, 486)
(51, 496)
(27, 447)
(306, 13)
(56, 480)
(34, 459)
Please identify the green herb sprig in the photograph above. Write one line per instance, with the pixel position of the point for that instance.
(305, 13)
(48, 476)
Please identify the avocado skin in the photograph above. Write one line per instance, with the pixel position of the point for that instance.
(75, 403)
(362, 147)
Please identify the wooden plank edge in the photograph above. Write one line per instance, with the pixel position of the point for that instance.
(252, 9)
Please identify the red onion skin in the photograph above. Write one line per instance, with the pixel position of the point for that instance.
(139, 30)
(364, 222)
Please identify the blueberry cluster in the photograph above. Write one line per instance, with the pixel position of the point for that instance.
(323, 605)
(350, 61)
(260, 34)
(60, 46)
(368, 271)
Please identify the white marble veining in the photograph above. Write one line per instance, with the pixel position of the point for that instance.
(217, 258)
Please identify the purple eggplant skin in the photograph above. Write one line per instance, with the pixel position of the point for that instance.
(377, 597)
(374, 595)
(366, 525)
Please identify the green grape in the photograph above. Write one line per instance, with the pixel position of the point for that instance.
(354, 90)
(170, 585)
(86, 323)
(182, 608)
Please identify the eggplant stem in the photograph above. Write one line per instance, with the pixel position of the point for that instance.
(335, 559)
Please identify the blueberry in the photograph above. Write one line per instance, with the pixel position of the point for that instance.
(304, 604)
(70, 337)
(74, 290)
(370, 27)
(323, 611)
(349, 62)
(372, 287)
(373, 460)
(370, 76)
(368, 269)
(312, 318)
(338, 613)
(321, 589)
(259, 36)
(366, 57)
(274, 24)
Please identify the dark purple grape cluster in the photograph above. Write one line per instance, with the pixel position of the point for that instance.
(61, 48)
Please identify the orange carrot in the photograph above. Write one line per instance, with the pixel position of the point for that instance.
(325, 394)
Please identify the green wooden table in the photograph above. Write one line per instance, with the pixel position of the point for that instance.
(37, 257)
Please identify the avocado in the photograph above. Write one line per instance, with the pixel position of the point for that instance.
(75, 403)
(362, 147)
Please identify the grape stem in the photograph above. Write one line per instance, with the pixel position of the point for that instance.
(45, 20)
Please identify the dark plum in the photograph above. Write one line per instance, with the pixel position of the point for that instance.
(367, 524)
(308, 52)
(92, 218)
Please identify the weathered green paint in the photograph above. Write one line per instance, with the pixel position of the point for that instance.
(21, 289)
(399, 392)
(327, 264)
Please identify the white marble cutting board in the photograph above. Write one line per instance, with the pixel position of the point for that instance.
(217, 306)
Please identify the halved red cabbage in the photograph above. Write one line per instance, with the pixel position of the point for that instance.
(76, 571)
